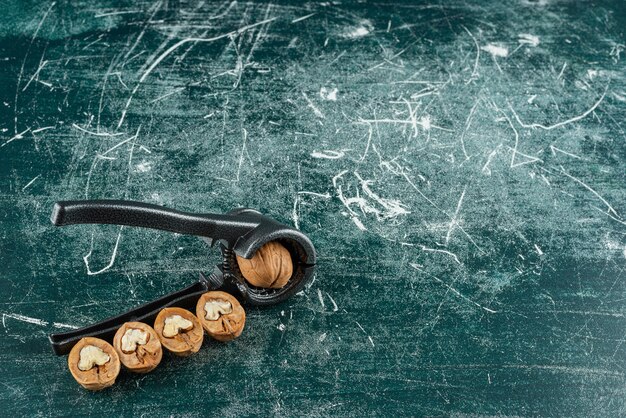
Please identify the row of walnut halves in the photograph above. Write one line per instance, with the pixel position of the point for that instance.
(95, 363)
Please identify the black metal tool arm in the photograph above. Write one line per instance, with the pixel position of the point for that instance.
(145, 215)
(63, 342)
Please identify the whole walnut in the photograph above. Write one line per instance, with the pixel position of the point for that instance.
(270, 267)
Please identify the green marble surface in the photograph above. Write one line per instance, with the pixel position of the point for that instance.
(460, 167)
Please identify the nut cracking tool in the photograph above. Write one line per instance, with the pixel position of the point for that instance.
(239, 232)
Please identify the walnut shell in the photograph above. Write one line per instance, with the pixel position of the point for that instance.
(146, 356)
(227, 326)
(270, 267)
(98, 377)
(184, 343)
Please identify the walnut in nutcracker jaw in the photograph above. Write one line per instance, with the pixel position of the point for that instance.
(270, 267)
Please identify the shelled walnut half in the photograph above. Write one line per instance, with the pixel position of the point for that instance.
(138, 346)
(271, 266)
(94, 363)
(221, 315)
(179, 331)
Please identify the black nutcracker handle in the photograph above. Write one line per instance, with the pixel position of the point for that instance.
(243, 230)
(119, 212)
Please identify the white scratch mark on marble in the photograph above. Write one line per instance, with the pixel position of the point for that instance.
(555, 150)
(30, 183)
(173, 48)
(23, 318)
(474, 74)
(117, 13)
(317, 112)
(328, 154)
(158, 99)
(329, 94)
(559, 124)
(324, 196)
(335, 307)
(359, 224)
(393, 208)
(21, 73)
(16, 136)
(486, 170)
(562, 71)
(435, 250)
(454, 221)
(586, 186)
(468, 122)
(143, 167)
(300, 19)
(515, 149)
(294, 212)
(528, 39)
(453, 290)
(355, 32)
(365, 332)
(44, 128)
(75, 126)
(62, 325)
(321, 298)
(111, 261)
(621, 97)
(496, 50)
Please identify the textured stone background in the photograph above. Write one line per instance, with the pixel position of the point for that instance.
(460, 167)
